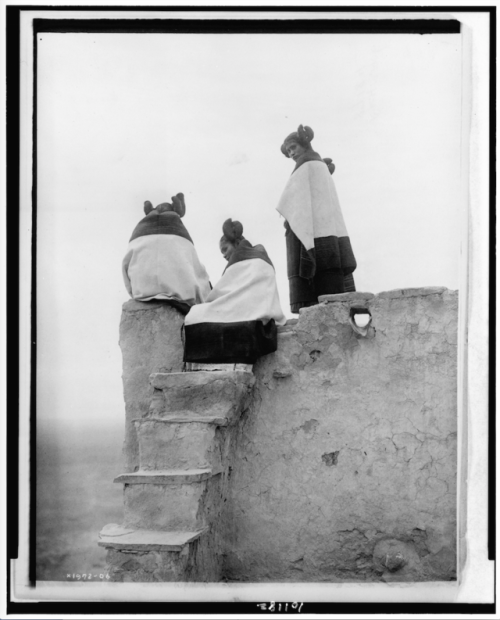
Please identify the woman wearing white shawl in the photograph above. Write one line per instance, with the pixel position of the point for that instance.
(161, 261)
(319, 255)
(237, 323)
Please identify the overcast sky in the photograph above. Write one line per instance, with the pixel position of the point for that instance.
(124, 118)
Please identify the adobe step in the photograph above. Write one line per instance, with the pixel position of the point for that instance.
(164, 503)
(154, 556)
(179, 442)
(187, 417)
(116, 536)
(165, 380)
(165, 476)
(220, 394)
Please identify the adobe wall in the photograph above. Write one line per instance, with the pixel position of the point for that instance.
(150, 341)
(345, 467)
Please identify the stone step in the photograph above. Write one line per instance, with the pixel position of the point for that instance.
(118, 537)
(218, 394)
(197, 367)
(144, 555)
(166, 476)
(183, 506)
(166, 444)
(187, 417)
(168, 380)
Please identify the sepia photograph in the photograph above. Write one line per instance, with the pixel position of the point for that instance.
(250, 267)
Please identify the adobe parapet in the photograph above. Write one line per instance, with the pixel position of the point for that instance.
(341, 461)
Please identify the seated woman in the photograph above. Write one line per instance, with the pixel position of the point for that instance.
(237, 323)
(161, 261)
(319, 255)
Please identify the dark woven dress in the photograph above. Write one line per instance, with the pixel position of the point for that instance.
(327, 280)
(325, 269)
(238, 323)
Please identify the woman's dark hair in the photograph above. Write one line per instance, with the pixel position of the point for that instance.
(233, 232)
(302, 136)
(178, 206)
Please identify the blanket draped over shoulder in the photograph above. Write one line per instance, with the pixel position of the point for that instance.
(320, 257)
(161, 263)
(237, 323)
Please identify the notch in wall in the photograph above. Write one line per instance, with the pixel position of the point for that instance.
(360, 319)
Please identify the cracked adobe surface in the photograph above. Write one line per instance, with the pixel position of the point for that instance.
(346, 461)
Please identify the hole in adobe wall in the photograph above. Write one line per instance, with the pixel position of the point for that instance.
(360, 319)
(360, 311)
(314, 355)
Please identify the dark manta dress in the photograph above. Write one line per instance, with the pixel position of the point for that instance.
(237, 324)
(325, 269)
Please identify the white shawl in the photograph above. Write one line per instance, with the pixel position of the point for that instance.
(247, 291)
(310, 204)
(164, 267)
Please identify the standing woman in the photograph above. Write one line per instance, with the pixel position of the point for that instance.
(319, 255)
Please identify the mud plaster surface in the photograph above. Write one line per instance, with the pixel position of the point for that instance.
(345, 461)
(345, 466)
(150, 340)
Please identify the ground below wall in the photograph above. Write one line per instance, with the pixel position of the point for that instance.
(345, 465)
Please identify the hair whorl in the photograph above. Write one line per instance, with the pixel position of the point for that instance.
(233, 231)
(306, 134)
(179, 204)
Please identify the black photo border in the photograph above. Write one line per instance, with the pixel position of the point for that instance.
(173, 24)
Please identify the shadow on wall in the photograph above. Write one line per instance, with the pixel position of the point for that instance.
(75, 495)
